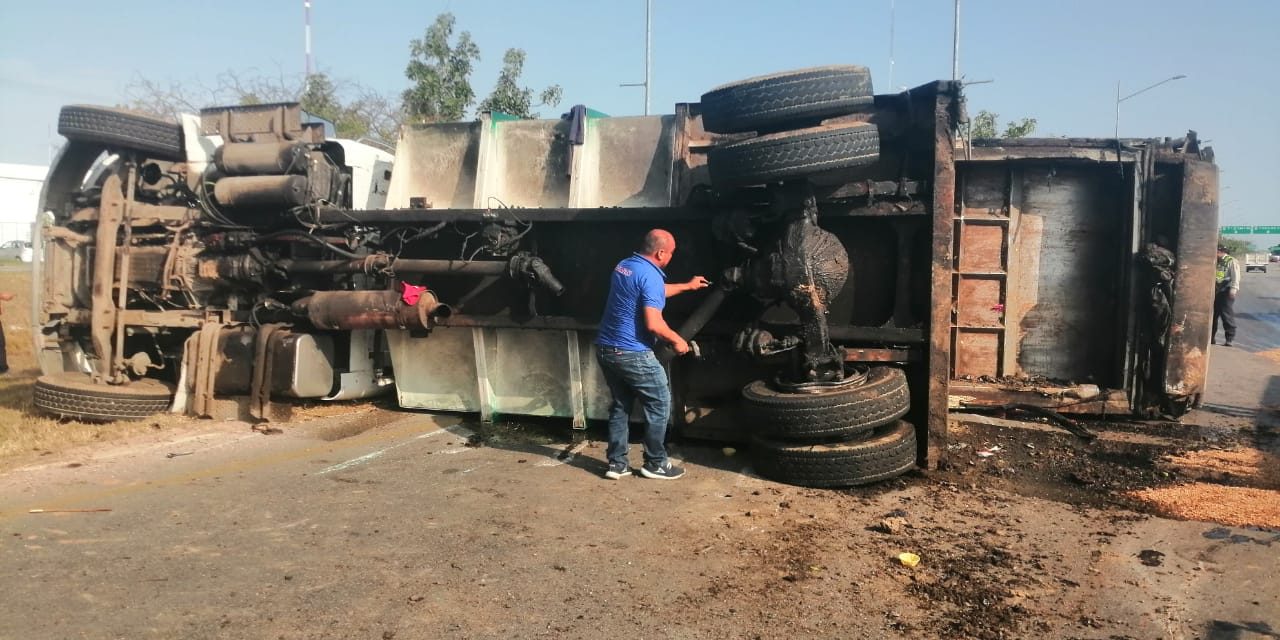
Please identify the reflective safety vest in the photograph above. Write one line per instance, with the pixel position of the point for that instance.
(1224, 264)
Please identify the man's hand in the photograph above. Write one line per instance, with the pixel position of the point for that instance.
(680, 345)
(5, 296)
(1231, 295)
(698, 282)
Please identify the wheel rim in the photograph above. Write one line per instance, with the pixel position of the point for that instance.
(855, 377)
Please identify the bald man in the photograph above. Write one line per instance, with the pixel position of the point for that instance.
(632, 322)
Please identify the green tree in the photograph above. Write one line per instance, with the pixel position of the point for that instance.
(510, 98)
(1020, 129)
(986, 124)
(983, 125)
(1237, 247)
(364, 114)
(355, 110)
(440, 73)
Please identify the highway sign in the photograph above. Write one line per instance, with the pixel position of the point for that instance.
(1242, 230)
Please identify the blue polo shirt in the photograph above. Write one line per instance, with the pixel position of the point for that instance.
(636, 283)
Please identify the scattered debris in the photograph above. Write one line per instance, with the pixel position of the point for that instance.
(729, 451)
(908, 559)
(569, 453)
(267, 430)
(990, 451)
(1003, 410)
(174, 454)
(892, 525)
(1151, 557)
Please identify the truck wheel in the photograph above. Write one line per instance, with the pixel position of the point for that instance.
(786, 100)
(117, 128)
(887, 453)
(72, 395)
(794, 154)
(840, 412)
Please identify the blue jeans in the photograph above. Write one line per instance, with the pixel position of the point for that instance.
(631, 376)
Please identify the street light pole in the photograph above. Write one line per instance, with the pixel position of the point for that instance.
(1119, 99)
(955, 44)
(648, 55)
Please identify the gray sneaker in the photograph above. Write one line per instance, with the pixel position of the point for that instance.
(664, 471)
(618, 471)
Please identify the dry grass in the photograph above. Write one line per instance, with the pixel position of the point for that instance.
(23, 432)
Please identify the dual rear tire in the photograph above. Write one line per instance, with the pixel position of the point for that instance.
(841, 437)
(787, 110)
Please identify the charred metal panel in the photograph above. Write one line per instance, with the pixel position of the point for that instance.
(1079, 399)
(1187, 363)
(983, 249)
(983, 298)
(1070, 239)
(946, 113)
(525, 163)
(983, 253)
(977, 353)
(435, 166)
(626, 162)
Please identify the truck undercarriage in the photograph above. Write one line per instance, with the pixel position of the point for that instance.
(867, 262)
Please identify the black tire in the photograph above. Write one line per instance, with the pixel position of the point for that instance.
(888, 453)
(787, 100)
(120, 129)
(72, 395)
(839, 413)
(794, 154)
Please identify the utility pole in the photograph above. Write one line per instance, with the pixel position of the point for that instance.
(1144, 90)
(892, 19)
(310, 62)
(648, 55)
(955, 45)
(648, 52)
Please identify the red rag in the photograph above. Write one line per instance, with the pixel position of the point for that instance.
(410, 293)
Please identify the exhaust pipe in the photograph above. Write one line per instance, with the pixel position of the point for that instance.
(352, 310)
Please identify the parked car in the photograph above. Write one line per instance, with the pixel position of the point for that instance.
(16, 250)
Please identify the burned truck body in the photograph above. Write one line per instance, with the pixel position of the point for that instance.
(869, 266)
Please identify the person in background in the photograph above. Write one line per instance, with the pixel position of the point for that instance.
(1224, 297)
(5, 296)
(632, 321)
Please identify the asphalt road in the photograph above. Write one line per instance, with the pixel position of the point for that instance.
(387, 525)
(1258, 311)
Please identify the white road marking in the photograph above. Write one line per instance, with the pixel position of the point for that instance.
(370, 456)
(461, 432)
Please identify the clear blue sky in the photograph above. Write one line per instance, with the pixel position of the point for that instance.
(1055, 61)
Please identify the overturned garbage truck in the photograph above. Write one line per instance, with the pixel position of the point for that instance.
(869, 266)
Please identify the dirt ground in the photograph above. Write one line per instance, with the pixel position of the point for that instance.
(366, 522)
(393, 526)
